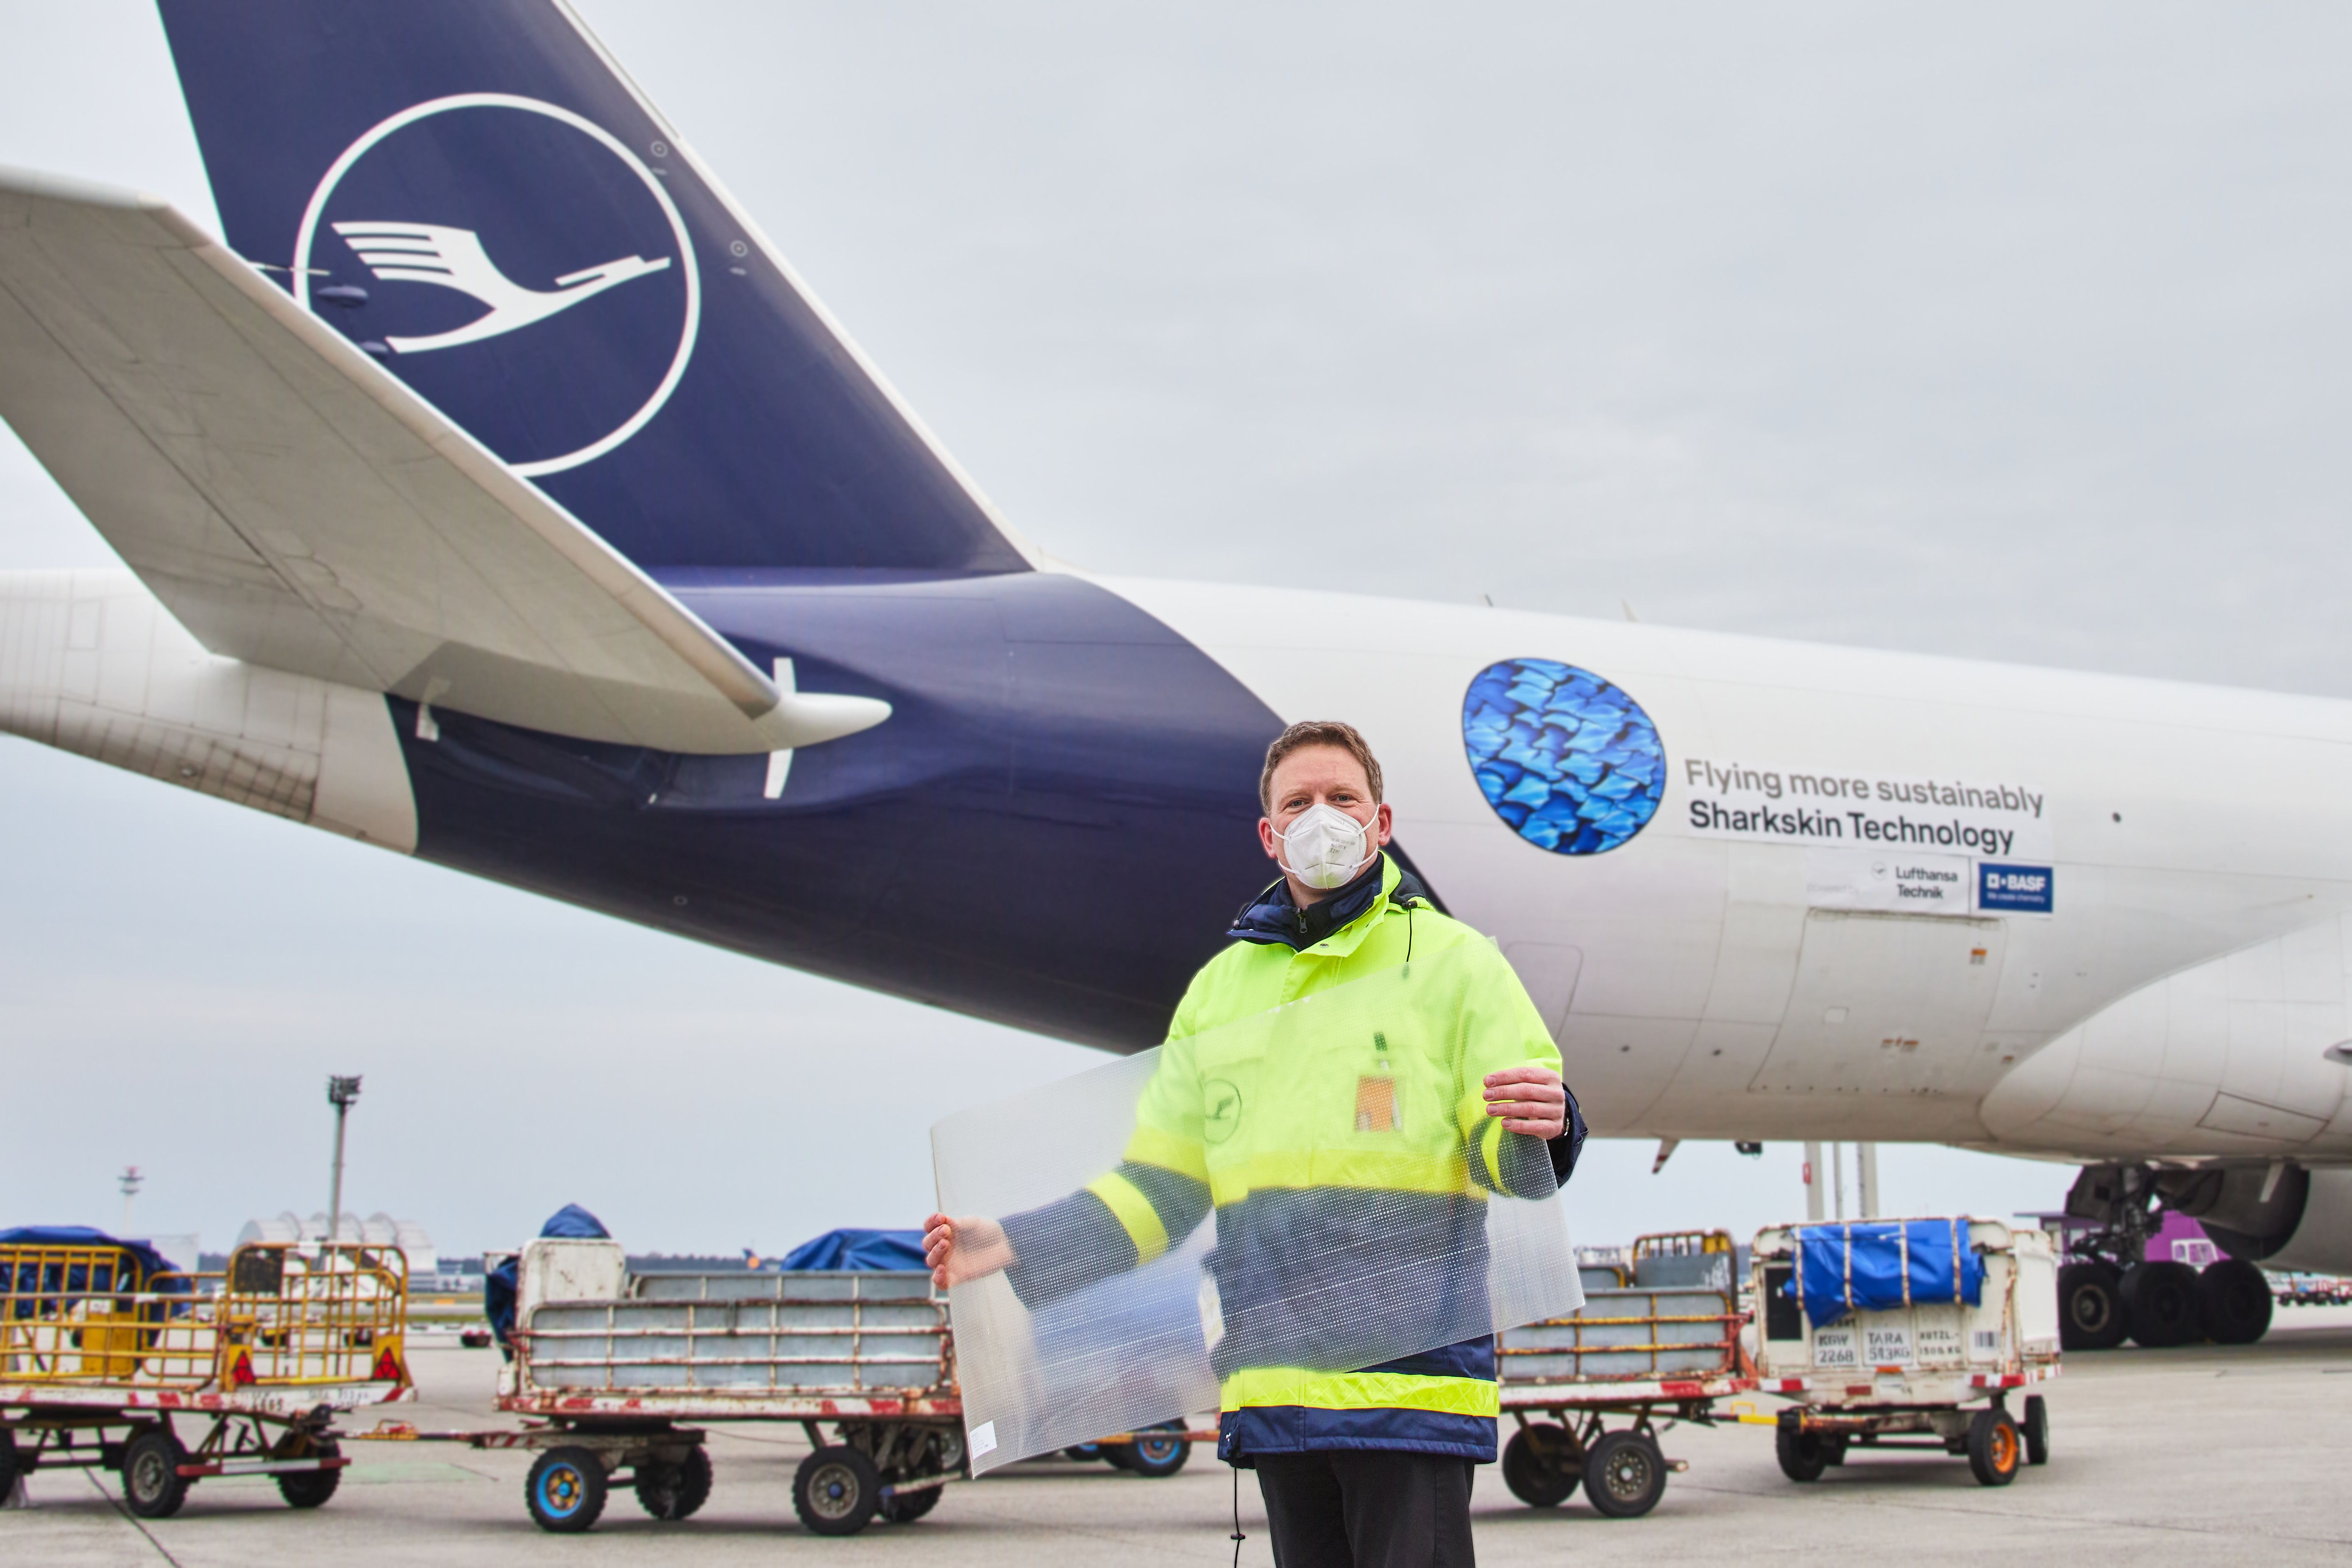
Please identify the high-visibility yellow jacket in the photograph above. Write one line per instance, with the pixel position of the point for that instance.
(1343, 1145)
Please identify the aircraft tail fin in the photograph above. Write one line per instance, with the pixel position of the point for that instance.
(473, 193)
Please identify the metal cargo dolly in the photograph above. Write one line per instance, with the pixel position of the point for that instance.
(104, 1354)
(1891, 1373)
(616, 1371)
(1659, 1347)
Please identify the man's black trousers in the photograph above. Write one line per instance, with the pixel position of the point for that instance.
(1367, 1509)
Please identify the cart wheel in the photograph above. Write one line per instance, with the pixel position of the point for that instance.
(311, 1489)
(1541, 1466)
(565, 1490)
(908, 1507)
(1084, 1453)
(2036, 1430)
(152, 1485)
(8, 1471)
(1163, 1451)
(1803, 1455)
(836, 1491)
(674, 1491)
(1995, 1450)
(1625, 1474)
(2091, 1313)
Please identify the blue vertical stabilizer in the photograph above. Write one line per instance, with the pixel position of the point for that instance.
(472, 191)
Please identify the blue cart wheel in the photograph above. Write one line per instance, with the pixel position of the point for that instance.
(1160, 1451)
(565, 1490)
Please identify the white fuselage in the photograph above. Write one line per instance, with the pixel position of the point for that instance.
(2176, 1000)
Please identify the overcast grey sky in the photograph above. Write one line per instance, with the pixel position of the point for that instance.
(2009, 332)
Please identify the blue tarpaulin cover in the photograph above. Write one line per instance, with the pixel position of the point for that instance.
(24, 1279)
(1872, 1265)
(499, 1283)
(573, 1223)
(860, 1249)
(570, 1223)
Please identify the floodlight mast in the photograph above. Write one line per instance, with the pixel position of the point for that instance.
(341, 1094)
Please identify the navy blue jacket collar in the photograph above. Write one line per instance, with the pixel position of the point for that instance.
(1275, 917)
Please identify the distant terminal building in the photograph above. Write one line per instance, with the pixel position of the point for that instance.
(376, 1230)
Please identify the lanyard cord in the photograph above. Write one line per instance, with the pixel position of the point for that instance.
(1238, 1536)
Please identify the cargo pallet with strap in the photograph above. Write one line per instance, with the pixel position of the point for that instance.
(1907, 1333)
(110, 1359)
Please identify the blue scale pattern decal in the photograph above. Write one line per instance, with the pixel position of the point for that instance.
(1569, 760)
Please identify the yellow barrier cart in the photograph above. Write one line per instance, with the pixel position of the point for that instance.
(106, 1358)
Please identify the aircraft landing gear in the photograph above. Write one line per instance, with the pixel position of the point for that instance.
(2113, 1290)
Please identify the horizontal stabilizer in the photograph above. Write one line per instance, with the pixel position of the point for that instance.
(297, 508)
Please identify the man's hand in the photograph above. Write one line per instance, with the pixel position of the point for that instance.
(1531, 1100)
(966, 1249)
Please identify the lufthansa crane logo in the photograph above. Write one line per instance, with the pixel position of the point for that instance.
(454, 258)
(514, 262)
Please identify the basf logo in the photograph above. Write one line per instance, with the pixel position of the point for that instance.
(516, 265)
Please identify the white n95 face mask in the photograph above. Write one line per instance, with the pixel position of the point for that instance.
(1324, 847)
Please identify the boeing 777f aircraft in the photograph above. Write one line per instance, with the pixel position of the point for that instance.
(493, 492)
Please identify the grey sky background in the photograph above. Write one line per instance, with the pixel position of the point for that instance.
(2013, 333)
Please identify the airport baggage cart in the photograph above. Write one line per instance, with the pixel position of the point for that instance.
(616, 1371)
(111, 1359)
(1656, 1342)
(1907, 1334)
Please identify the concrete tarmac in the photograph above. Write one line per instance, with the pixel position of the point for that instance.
(2196, 1457)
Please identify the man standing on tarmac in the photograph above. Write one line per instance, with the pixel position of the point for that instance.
(1363, 1469)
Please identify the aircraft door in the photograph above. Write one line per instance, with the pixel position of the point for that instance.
(1885, 1004)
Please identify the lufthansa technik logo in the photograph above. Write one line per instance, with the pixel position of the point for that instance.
(516, 265)
(1572, 763)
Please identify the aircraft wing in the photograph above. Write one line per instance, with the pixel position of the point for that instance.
(296, 507)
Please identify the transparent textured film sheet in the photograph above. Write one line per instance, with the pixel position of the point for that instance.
(1313, 1189)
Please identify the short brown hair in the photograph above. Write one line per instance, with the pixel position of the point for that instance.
(1316, 732)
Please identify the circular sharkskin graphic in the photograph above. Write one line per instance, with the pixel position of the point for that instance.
(1570, 762)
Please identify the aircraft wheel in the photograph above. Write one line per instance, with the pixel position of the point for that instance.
(565, 1490)
(152, 1485)
(2091, 1312)
(1996, 1448)
(1541, 1466)
(2161, 1299)
(2234, 1300)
